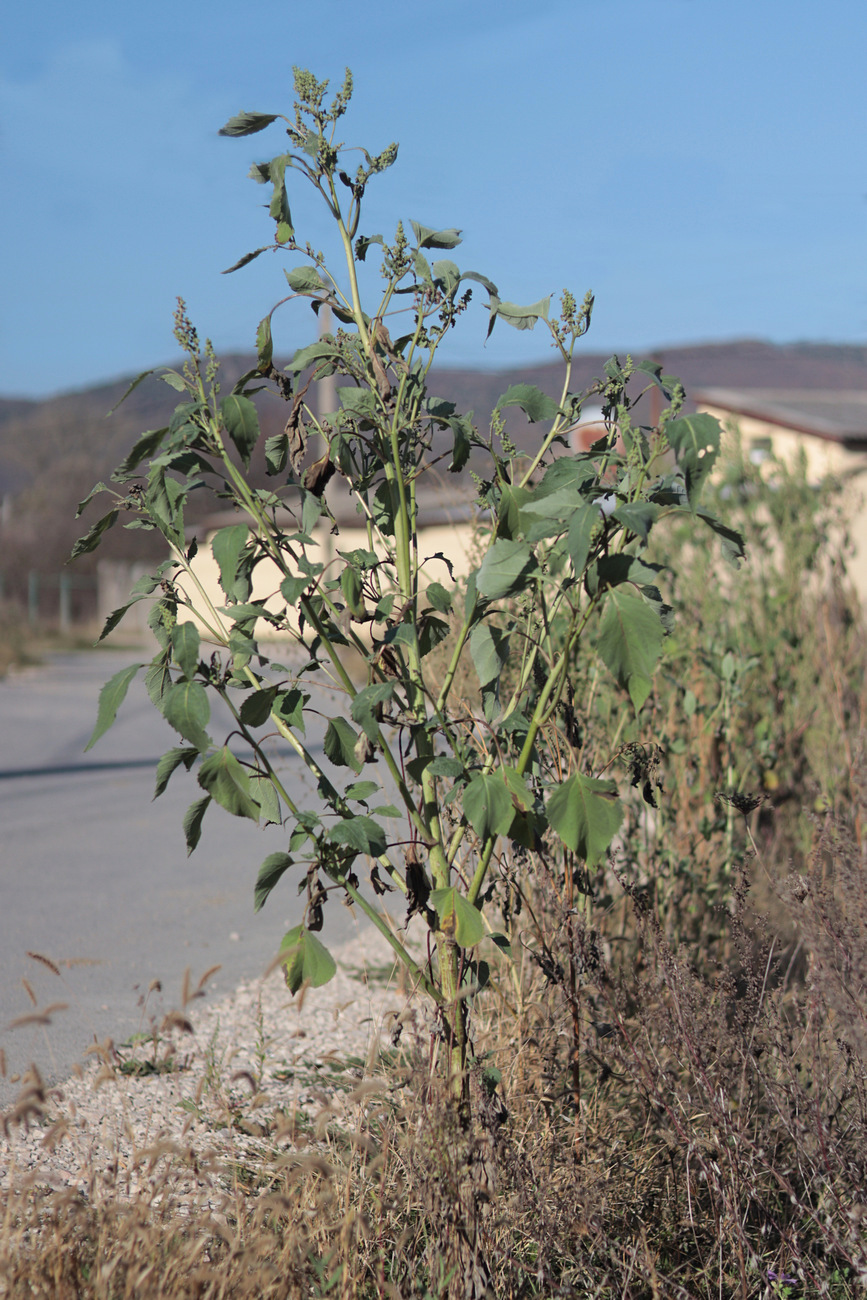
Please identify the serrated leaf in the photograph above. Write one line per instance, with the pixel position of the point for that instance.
(305, 960)
(226, 781)
(732, 541)
(274, 866)
(193, 818)
(458, 916)
(111, 697)
(256, 708)
(289, 707)
(276, 453)
(264, 795)
(144, 448)
(437, 596)
(247, 123)
(323, 350)
(362, 834)
(339, 744)
(185, 647)
(630, 642)
(535, 404)
(170, 762)
(115, 617)
(637, 517)
(186, 707)
(586, 814)
(443, 765)
(361, 790)
(488, 805)
(242, 424)
(507, 568)
(583, 525)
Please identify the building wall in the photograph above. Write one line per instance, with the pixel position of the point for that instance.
(824, 457)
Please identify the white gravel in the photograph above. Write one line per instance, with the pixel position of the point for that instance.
(262, 1072)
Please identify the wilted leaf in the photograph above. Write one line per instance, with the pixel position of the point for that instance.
(226, 780)
(274, 866)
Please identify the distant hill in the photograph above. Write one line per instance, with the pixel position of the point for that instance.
(53, 450)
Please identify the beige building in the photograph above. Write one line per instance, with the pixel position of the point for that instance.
(829, 426)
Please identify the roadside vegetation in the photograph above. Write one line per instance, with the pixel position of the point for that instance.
(627, 752)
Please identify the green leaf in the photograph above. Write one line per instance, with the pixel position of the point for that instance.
(366, 705)
(637, 517)
(193, 818)
(276, 453)
(305, 960)
(586, 814)
(304, 279)
(227, 546)
(264, 795)
(732, 542)
(362, 834)
(438, 597)
(339, 744)
(583, 525)
(507, 568)
(289, 707)
(292, 589)
(520, 318)
(246, 259)
(458, 916)
(630, 642)
(93, 536)
(256, 709)
(242, 424)
(364, 242)
(695, 440)
(428, 238)
(144, 448)
(361, 790)
(323, 350)
(274, 866)
(115, 617)
(489, 650)
(521, 796)
(111, 697)
(463, 430)
(359, 402)
(185, 707)
(185, 647)
(264, 344)
(247, 123)
(226, 780)
(170, 762)
(535, 404)
(443, 765)
(488, 805)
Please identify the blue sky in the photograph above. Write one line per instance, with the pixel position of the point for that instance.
(700, 165)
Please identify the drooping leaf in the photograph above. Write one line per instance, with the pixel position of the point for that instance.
(520, 318)
(507, 568)
(586, 814)
(274, 866)
(263, 794)
(732, 541)
(438, 597)
(521, 796)
(170, 762)
(264, 344)
(115, 617)
(227, 546)
(583, 526)
(323, 350)
(276, 453)
(630, 642)
(305, 960)
(289, 707)
(111, 697)
(242, 424)
(695, 440)
(186, 707)
(226, 780)
(93, 536)
(185, 646)
(145, 446)
(247, 123)
(535, 404)
(246, 259)
(339, 744)
(193, 819)
(462, 428)
(458, 916)
(362, 834)
(637, 517)
(488, 805)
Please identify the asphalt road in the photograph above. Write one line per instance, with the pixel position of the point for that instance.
(94, 874)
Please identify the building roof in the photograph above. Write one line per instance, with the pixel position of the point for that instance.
(834, 414)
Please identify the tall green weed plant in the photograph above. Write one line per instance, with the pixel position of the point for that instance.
(427, 798)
